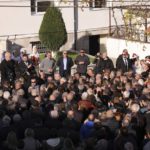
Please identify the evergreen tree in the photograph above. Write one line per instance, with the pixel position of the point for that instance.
(52, 32)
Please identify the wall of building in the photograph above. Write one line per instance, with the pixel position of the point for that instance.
(20, 25)
(19, 20)
(116, 46)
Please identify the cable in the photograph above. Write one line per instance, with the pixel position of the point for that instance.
(63, 1)
(82, 6)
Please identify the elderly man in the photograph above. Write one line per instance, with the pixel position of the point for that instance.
(8, 68)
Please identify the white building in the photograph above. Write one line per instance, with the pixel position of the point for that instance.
(20, 23)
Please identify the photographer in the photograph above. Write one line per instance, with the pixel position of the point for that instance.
(8, 69)
(26, 68)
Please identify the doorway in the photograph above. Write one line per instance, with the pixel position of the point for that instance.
(94, 44)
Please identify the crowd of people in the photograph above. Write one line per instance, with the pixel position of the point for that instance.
(106, 107)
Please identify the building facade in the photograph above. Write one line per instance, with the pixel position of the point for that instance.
(21, 20)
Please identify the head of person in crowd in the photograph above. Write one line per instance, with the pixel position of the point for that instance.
(70, 97)
(81, 88)
(18, 95)
(49, 79)
(63, 80)
(138, 76)
(17, 118)
(25, 57)
(11, 140)
(1, 93)
(52, 98)
(118, 73)
(29, 133)
(98, 55)
(91, 117)
(104, 55)
(68, 145)
(70, 114)
(128, 86)
(98, 81)
(7, 56)
(82, 52)
(112, 75)
(102, 144)
(42, 90)
(33, 82)
(135, 108)
(49, 54)
(6, 120)
(34, 49)
(57, 76)
(125, 53)
(54, 114)
(18, 84)
(65, 54)
(126, 120)
(76, 76)
(135, 56)
(6, 95)
(42, 74)
(90, 72)
(147, 60)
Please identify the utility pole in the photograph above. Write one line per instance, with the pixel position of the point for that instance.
(75, 23)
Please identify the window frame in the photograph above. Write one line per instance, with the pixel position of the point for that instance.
(35, 2)
(93, 4)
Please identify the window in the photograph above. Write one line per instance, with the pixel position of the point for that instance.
(97, 3)
(41, 48)
(40, 6)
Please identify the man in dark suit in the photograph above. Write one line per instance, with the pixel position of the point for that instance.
(65, 63)
(7, 69)
(123, 62)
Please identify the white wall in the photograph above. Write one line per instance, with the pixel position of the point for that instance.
(115, 47)
(18, 20)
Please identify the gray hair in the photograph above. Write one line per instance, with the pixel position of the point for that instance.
(54, 114)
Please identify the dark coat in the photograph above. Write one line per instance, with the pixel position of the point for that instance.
(60, 64)
(24, 70)
(120, 65)
(82, 68)
(8, 70)
(103, 65)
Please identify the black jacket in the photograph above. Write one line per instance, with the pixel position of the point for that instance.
(82, 68)
(120, 65)
(24, 70)
(8, 70)
(103, 64)
(60, 64)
